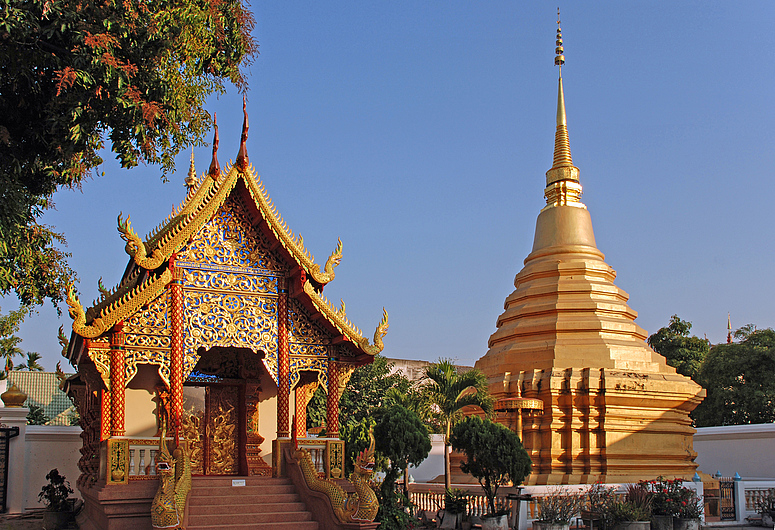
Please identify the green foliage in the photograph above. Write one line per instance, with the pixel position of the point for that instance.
(356, 439)
(77, 73)
(36, 416)
(367, 389)
(740, 381)
(636, 505)
(316, 408)
(31, 364)
(626, 511)
(9, 342)
(683, 352)
(494, 455)
(55, 493)
(455, 501)
(402, 438)
(394, 512)
(449, 392)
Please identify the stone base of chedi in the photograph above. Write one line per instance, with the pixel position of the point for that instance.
(567, 343)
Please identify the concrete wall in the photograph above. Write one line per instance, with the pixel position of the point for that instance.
(743, 449)
(48, 447)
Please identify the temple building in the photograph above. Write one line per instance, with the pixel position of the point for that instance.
(569, 366)
(217, 335)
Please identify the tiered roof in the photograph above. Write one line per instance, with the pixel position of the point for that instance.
(147, 273)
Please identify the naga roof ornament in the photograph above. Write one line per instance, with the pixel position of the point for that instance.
(215, 169)
(148, 273)
(242, 157)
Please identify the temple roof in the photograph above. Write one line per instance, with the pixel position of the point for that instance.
(148, 274)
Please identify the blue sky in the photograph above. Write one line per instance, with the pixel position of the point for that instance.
(420, 132)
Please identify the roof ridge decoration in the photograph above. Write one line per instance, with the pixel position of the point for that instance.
(242, 161)
(118, 309)
(337, 317)
(202, 203)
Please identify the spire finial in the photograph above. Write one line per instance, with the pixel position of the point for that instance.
(562, 180)
(559, 58)
(215, 169)
(191, 179)
(242, 156)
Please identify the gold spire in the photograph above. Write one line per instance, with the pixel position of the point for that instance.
(191, 179)
(562, 180)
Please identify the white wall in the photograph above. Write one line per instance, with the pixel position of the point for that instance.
(743, 449)
(49, 447)
(433, 466)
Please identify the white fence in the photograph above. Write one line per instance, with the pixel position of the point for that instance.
(37, 450)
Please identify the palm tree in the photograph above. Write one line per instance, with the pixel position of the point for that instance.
(31, 364)
(450, 391)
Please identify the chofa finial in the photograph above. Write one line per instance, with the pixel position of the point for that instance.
(215, 169)
(242, 156)
(191, 177)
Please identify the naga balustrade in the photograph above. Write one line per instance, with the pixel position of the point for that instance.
(327, 455)
(124, 459)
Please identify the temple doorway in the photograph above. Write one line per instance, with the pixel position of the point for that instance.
(220, 412)
(214, 426)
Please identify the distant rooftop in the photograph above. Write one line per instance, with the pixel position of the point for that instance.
(42, 389)
(415, 370)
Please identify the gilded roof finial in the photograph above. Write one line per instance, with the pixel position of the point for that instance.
(215, 169)
(242, 156)
(191, 179)
(562, 186)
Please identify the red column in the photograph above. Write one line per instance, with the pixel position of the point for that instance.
(117, 381)
(301, 411)
(332, 400)
(176, 348)
(105, 415)
(283, 363)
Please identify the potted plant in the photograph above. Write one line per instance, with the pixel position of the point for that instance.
(59, 507)
(455, 504)
(495, 457)
(666, 496)
(690, 511)
(600, 500)
(634, 512)
(557, 509)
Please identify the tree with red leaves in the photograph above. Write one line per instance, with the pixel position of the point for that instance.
(75, 74)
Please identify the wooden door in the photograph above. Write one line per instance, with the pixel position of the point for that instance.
(211, 422)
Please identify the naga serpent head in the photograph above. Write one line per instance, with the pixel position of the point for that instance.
(382, 327)
(364, 462)
(74, 307)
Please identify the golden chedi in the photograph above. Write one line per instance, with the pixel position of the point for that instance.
(613, 410)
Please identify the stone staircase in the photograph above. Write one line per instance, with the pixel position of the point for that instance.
(262, 503)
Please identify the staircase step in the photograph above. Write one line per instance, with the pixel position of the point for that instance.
(296, 525)
(246, 509)
(263, 503)
(223, 500)
(229, 518)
